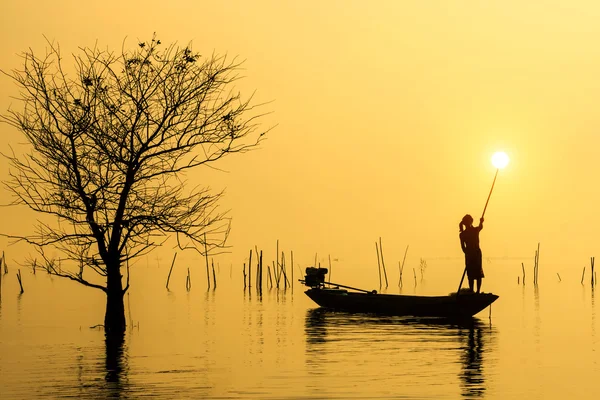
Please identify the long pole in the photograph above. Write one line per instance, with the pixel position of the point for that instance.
(490, 195)
(482, 214)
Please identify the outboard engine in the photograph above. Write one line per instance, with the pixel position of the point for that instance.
(315, 277)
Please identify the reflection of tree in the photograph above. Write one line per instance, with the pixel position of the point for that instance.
(473, 381)
(116, 363)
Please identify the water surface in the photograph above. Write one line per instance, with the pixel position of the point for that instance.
(537, 342)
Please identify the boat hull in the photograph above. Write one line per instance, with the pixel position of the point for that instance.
(452, 306)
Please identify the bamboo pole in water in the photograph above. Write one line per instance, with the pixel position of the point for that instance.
(292, 261)
(282, 266)
(269, 276)
(592, 273)
(329, 256)
(1, 261)
(383, 262)
(20, 281)
(260, 267)
(258, 279)
(171, 270)
(188, 281)
(206, 258)
(250, 270)
(212, 262)
(415, 275)
(283, 270)
(534, 267)
(378, 264)
(401, 267)
(560, 280)
(582, 275)
(276, 271)
(523, 268)
(244, 272)
(537, 264)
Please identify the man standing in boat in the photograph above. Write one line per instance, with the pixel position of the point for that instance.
(469, 242)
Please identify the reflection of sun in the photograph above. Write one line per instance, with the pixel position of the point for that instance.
(500, 159)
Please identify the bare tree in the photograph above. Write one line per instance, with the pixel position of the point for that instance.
(108, 149)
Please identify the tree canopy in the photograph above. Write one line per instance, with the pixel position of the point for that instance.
(109, 146)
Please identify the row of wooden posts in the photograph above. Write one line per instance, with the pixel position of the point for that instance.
(381, 266)
(536, 263)
(536, 268)
(592, 272)
(4, 271)
(278, 278)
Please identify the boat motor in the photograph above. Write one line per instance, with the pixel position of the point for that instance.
(315, 277)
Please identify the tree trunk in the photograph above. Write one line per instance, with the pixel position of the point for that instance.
(114, 319)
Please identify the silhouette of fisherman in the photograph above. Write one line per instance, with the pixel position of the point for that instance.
(469, 242)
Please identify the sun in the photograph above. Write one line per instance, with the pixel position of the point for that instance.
(500, 159)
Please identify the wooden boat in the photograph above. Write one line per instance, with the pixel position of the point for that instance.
(344, 298)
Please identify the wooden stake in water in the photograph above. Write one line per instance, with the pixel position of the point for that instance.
(244, 272)
(250, 270)
(188, 281)
(276, 272)
(20, 281)
(557, 274)
(206, 258)
(257, 266)
(214, 275)
(383, 262)
(269, 276)
(260, 267)
(378, 263)
(283, 270)
(401, 267)
(537, 263)
(583, 275)
(292, 261)
(592, 274)
(257, 277)
(330, 269)
(523, 268)
(171, 270)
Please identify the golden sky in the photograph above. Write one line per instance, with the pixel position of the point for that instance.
(387, 114)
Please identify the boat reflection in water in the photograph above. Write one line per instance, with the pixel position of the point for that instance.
(365, 355)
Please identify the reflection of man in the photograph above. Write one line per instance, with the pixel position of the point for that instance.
(472, 374)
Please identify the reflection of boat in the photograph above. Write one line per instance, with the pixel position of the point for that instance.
(345, 298)
(332, 335)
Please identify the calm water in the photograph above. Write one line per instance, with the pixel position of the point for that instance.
(230, 344)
